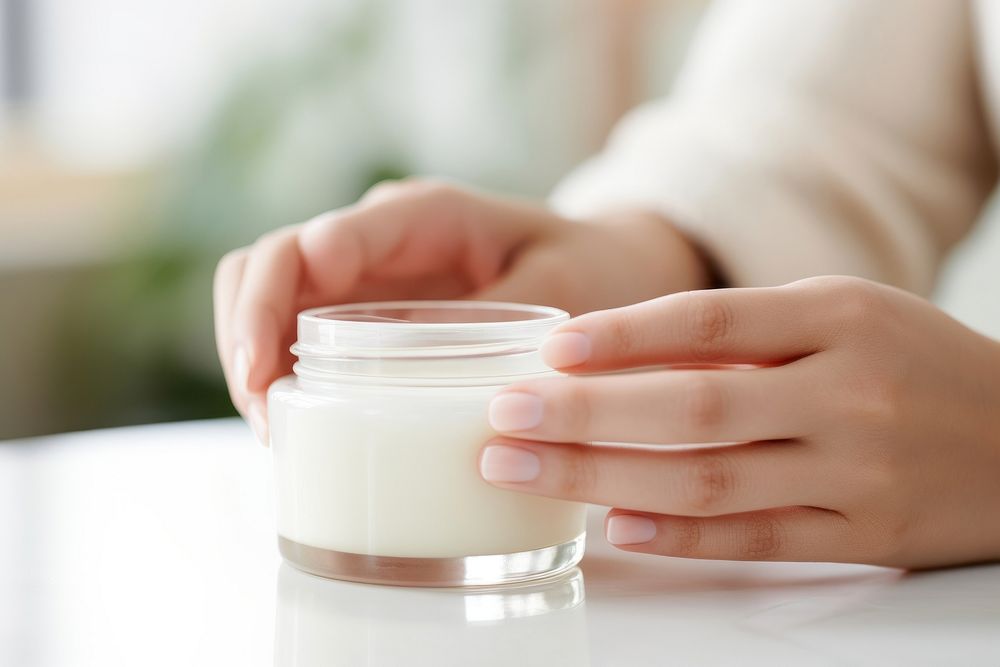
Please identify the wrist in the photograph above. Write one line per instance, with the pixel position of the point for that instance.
(665, 257)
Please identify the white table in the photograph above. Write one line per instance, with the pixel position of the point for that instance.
(155, 546)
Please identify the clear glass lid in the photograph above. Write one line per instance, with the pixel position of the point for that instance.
(423, 329)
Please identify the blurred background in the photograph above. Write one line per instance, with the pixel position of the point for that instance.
(139, 141)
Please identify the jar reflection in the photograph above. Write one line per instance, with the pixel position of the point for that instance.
(327, 622)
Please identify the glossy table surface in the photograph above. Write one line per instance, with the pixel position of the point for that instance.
(154, 545)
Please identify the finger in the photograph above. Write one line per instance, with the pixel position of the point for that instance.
(432, 287)
(324, 261)
(225, 288)
(266, 307)
(321, 261)
(534, 277)
(411, 229)
(691, 482)
(749, 325)
(257, 418)
(786, 534)
(423, 232)
(664, 406)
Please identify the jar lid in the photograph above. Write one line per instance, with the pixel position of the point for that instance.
(423, 328)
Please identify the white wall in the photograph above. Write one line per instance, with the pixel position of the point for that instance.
(121, 81)
(970, 283)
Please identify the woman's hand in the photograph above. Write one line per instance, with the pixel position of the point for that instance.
(869, 423)
(428, 240)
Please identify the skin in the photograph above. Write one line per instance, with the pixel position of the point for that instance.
(422, 239)
(868, 424)
(866, 420)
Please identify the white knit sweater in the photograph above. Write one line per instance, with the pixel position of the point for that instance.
(811, 137)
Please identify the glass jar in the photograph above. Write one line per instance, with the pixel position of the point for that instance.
(376, 441)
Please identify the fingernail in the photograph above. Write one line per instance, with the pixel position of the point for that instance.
(630, 529)
(241, 369)
(258, 423)
(515, 411)
(562, 350)
(501, 463)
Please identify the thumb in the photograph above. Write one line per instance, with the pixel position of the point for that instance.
(539, 276)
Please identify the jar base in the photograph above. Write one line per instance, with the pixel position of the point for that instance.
(486, 570)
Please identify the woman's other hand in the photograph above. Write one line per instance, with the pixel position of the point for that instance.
(420, 239)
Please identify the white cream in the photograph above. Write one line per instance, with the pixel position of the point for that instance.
(393, 472)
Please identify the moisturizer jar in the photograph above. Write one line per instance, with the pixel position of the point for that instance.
(376, 440)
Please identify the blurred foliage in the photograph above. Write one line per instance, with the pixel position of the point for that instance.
(136, 334)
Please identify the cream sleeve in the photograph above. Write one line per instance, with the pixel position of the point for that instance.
(808, 137)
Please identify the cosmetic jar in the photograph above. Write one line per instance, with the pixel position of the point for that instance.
(376, 440)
